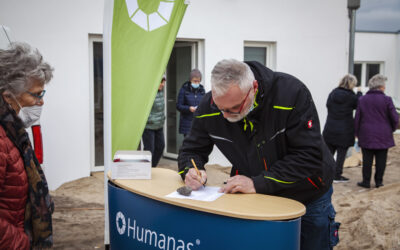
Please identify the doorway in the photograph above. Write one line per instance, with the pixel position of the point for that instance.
(96, 103)
(182, 60)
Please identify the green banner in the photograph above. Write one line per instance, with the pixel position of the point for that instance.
(143, 35)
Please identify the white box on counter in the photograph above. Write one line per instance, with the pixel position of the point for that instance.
(131, 165)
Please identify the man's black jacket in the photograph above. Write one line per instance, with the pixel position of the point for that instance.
(278, 145)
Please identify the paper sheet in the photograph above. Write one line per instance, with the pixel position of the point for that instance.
(203, 194)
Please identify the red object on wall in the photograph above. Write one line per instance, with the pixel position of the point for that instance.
(37, 142)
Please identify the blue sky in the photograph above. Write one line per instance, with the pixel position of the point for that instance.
(378, 15)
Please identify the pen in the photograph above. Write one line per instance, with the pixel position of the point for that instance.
(197, 170)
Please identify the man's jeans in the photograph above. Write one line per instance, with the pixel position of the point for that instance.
(153, 141)
(319, 230)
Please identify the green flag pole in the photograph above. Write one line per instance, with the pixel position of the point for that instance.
(142, 38)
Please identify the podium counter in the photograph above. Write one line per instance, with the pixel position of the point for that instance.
(142, 217)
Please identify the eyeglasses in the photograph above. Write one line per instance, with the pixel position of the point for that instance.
(241, 106)
(38, 96)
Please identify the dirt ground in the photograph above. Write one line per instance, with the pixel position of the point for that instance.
(370, 217)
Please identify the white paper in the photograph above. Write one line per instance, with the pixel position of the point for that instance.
(203, 194)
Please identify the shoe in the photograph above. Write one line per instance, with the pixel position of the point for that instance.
(363, 184)
(379, 185)
(340, 179)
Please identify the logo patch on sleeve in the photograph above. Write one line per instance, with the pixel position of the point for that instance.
(309, 124)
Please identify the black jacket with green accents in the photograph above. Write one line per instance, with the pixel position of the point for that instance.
(279, 144)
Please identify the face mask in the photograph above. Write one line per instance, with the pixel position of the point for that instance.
(30, 115)
(195, 85)
(241, 116)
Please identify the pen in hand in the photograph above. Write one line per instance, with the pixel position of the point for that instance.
(197, 170)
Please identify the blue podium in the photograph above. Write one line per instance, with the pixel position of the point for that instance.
(141, 217)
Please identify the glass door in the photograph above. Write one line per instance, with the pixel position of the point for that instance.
(96, 86)
(181, 62)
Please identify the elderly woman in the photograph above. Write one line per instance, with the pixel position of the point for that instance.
(25, 203)
(189, 98)
(376, 119)
(339, 127)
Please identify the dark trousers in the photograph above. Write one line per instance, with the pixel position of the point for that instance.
(380, 164)
(340, 157)
(319, 230)
(153, 141)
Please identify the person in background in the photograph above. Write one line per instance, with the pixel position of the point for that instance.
(153, 134)
(265, 123)
(189, 98)
(339, 127)
(25, 203)
(375, 121)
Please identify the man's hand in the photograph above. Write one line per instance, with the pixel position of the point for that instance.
(193, 180)
(239, 183)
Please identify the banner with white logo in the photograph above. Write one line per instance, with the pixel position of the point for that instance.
(138, 37)
(142, 37)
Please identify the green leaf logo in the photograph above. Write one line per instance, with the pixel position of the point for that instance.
(150, 14)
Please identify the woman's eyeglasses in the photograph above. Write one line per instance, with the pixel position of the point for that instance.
(39, 96)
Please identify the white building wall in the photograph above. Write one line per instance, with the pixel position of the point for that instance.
(60, 30)
(311, 39)
(381, 47)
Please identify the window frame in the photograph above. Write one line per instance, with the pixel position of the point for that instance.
(270, 47)
(364, 82)
(93, 38)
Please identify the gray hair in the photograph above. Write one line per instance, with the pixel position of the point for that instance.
(349, 81)
(195, 73)
(20, 66)
(377, 81)
(228, 72)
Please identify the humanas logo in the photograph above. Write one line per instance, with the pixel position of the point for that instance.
(150, 14)
(148, 236)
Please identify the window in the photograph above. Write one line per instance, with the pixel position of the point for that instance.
(366, 70)
(372, 69)
(357, 72)
(262, 52)
(258, 54)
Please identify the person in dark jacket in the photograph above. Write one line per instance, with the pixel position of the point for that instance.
(25, 202)
(267, 126)
(189, 98)
(153, 134)
(339, 127)
(375, 121)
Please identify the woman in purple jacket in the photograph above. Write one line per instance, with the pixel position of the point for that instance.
(375, 121)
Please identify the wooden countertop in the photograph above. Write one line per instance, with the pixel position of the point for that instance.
(245, 206)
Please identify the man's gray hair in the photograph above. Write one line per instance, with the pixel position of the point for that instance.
(20, 66)
(349, 81)
(377, 81)
(195, 73)
(228, 72)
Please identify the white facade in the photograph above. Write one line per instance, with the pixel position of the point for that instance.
(384, 49)
(308, 38)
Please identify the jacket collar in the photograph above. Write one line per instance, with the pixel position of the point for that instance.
(375, 92)
(264, 77)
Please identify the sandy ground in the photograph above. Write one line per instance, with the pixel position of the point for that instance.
(370, 217)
